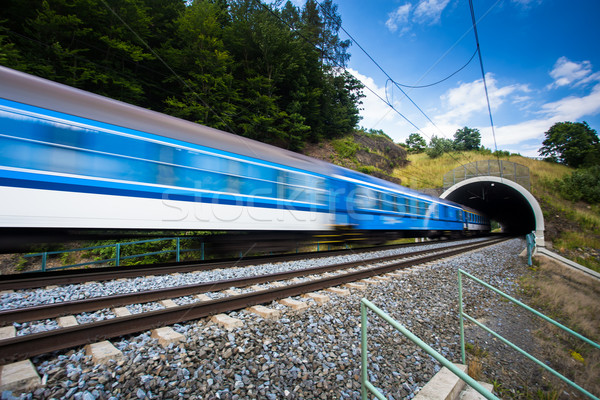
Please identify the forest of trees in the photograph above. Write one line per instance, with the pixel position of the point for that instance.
(270, 73)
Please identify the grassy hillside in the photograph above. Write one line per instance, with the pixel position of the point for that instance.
(371, 152)
(573, 228)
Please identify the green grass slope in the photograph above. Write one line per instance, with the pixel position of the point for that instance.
(573, 228)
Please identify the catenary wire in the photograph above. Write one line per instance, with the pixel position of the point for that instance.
(399, 87)
(487, 97)
(442, 80)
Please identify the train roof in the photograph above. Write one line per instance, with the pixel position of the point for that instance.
(35, 91)
(355, 176)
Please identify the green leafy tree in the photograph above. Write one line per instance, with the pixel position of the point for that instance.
(270, 72)
(439, 146)
(583, 184)
(467, 139)
(208, 95)
(573, 144)
(415, 143)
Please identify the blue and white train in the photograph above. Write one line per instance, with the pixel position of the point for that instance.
(70, 159)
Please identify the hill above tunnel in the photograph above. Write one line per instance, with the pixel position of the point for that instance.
(371, 152)
(572, 228)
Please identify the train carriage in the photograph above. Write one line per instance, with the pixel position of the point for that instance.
(72, 159)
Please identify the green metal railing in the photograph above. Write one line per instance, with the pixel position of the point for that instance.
(118, 256)
(530, 237)
(178, 251)
(367, 386)
(462, 315)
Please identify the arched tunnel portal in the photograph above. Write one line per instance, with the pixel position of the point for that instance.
(502, 200)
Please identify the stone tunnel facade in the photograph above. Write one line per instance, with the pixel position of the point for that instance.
(503, 200)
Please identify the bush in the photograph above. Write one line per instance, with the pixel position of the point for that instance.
(501, 153)
(582, 184)
(439, 146)
(345, 148)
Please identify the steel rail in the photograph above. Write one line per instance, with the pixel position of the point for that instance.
(22, 347)
(30, 280)
(53, 310)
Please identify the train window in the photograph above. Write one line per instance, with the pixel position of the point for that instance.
(378, 202)
(233, 179)
(321, 190)
(361, 200)
(399, 204)
(301, 187)
(411, 206)
(260, 188)
(373, 199)
(387, 202)
(262, 172)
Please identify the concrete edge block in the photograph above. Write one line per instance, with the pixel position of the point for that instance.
(443, 386)
(19, 377)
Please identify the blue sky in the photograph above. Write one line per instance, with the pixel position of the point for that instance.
(541, 58)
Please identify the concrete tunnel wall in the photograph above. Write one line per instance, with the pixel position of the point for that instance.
(503, 200)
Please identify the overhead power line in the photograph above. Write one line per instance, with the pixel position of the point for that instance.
(398, 86)
(441, 80)
(487, 97)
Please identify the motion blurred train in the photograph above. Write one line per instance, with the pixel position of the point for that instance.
(73, 160)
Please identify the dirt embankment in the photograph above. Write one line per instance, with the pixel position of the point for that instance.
(375, 155)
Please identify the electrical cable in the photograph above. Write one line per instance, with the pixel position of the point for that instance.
(487, 97)
(399, 87)
(464, 35)
(442, 80)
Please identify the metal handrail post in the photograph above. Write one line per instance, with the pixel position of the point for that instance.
(537, 313)
(363, 350)
(428, 349)
(44, 259)
(178, 249)
(530, 237)
(118, 254)
(460, 314)
(532, 358)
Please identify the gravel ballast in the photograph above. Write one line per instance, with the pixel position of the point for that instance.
(311, 354)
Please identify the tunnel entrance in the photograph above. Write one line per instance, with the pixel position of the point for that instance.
(498, 195)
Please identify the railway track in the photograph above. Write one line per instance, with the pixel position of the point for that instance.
(23, 347)
(30, 280)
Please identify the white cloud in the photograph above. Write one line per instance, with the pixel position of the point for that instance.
(572, 108)
(427, 12)
(567, 72)
(469, 98)
(398, 16)
(377, 115)
(430, 11)
(527, 3)
(374, 109)
(465, 105)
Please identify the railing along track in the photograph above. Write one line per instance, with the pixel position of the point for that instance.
(53, 310)
(23, 347)
(30, 280)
